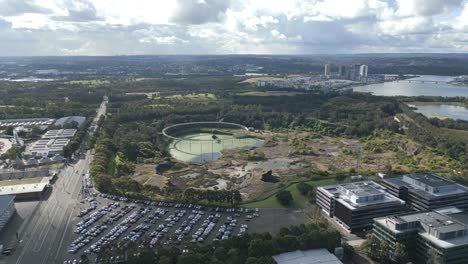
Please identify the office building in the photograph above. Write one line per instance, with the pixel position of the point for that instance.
(342, 71)
(355, 205)
(441, 235)
(7, 209)
(427, 191)
(354, 72)
(363, 72)
(327, 69)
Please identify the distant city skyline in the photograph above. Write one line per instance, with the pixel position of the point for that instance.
(103, 27)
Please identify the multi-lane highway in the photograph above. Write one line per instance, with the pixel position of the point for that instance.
(41, 237)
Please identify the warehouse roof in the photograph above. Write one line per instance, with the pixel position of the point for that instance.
(5, 201)
(313, 256)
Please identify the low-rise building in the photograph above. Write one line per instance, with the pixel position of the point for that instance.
(313, 256)
(59, 133)
(26, 122)
(48, 147)
(441, 235)
(26, 191)
(427, 191)
(355, 205)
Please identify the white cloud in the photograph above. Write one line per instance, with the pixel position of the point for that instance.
(93, 27)
(276, 34)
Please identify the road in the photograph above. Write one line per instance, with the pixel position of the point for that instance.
(41, 238)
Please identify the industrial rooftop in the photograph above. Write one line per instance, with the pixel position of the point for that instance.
(26, 122)
(428, 184)
(59, 133)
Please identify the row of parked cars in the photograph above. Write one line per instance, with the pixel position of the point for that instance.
(184, 229)
(81, 227)
(92, 205)
(117, 231)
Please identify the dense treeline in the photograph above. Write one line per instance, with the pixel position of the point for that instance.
(51, 99)
(251, 248)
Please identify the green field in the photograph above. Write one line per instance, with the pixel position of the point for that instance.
(112, 167)
(18, 182)
(202, 147)
(300, 201)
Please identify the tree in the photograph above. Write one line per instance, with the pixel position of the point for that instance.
(399, 253)
(304, 188)
(370, 246)
(284, 197)
(340, 177)
(84, 259)
(433, 257)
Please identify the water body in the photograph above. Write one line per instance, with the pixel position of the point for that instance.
(405, 88)
(450, 111)
(201, 147)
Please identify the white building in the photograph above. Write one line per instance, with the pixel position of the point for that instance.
(59, 133)
(313, 256)
(327, 69)
(363, 72)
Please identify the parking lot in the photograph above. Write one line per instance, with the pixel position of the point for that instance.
(107, 219)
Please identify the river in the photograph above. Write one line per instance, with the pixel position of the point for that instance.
(405, 88)
(443, 110)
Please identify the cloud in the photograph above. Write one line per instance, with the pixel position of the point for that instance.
(19, 7)
(199, 11)
(93, 27)
(79, 11)
(426, 7)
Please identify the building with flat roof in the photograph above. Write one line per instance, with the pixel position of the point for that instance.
(442, 233)
(26, 122)
(7, 209)
(313, 256)
(427, 191)
(59, 133)
(26, 191)
(354, 205)
(48, 147)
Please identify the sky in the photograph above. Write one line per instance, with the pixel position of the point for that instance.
(133, 27)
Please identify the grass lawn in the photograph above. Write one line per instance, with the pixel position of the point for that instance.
(299, 201)
(18, 182)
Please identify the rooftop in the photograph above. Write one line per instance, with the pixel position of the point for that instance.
(360, 194)
(26, 122)
(23, 188)
(59, 133)
(427, 184)
(313, 256)
(80, 120)
(447, 227)
(5, 201)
